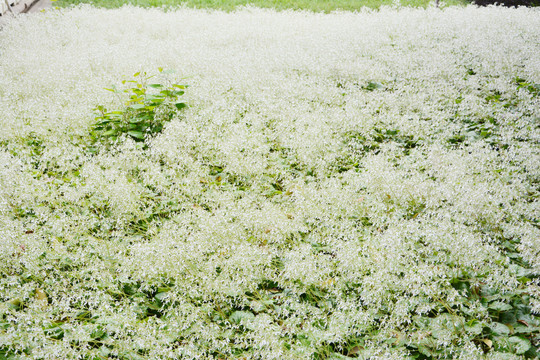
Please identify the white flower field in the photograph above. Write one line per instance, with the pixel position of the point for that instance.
(346, 185)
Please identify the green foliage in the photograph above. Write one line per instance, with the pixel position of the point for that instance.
(507, 326)
(313, 5)
(487, 128)
(534, 89)
(359, 144)
(148, 108)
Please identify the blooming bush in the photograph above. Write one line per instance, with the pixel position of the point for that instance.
(349, 185)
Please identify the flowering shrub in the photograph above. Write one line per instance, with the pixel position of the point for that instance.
(349, 185)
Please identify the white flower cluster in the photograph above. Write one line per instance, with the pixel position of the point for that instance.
(336, 180)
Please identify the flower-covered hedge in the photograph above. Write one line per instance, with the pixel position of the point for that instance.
(350, 185)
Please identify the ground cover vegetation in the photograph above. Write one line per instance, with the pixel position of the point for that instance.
(301, 186)
(313, 5)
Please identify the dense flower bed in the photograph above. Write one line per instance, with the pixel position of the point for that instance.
(339, 186)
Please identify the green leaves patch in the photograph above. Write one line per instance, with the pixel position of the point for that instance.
(148, 108)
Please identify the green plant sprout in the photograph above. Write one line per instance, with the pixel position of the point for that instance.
(149, 107)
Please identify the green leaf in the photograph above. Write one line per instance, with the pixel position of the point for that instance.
(54, 332)
(110, 132)
(136, 106)
(104, 351)
(521, 329)
(83, 315)
(136, 134)
(113, 115)
(499, 329)
(180, 105)
(428, 347)
(238, 316)
(138, 91)
(98, 333)
(154, 305)
(474, 327)
(155, 86)
(14, 303)
(162, 295)
(105, 121)
(500, 306)
(520, 345)
(373, 85)
(508, 317)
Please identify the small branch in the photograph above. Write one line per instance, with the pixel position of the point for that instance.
(8, 6)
